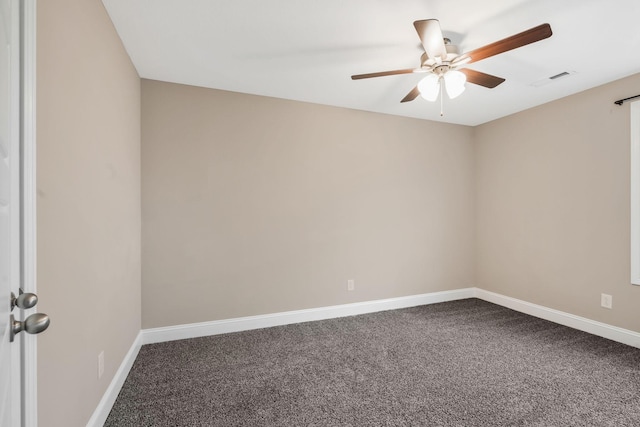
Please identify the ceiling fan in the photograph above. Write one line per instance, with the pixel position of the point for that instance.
(443, 62)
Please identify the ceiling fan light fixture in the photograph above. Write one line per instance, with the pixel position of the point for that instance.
(454, 83)
(429, 87)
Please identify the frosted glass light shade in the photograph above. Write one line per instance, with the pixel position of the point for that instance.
(429, 87)
(454, 83)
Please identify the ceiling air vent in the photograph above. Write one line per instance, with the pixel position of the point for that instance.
(552, 78)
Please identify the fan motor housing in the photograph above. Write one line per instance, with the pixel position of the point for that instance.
(452, 52)
(441, 69)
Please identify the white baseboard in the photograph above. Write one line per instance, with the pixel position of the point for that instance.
(600, 329)
(109, 398)
(194, 330)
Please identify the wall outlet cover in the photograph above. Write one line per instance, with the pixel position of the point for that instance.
(100, 364)
(606, 301)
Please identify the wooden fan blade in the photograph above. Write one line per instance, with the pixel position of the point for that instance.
(482, 79)
(431, 37)
(411, 95)
(524, 38)
(382, 73)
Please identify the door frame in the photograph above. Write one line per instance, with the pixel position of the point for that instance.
(15, 368)
(28, 236)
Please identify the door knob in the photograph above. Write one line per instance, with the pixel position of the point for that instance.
(33, 324)
(25, 300)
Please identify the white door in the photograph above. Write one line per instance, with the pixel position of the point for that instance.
(10, 390)
(15, 190)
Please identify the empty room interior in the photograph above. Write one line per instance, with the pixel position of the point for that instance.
(209, 169)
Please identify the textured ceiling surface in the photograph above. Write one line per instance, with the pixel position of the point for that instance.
(306, 50)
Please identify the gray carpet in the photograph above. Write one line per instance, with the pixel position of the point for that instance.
(461, 363)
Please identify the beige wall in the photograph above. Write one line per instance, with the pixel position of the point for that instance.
(256, 205)
(553, 205)
(88, 182)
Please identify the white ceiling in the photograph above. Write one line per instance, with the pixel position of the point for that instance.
(306, 50)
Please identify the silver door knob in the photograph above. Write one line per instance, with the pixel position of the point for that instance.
(25, 300)
(33, 324)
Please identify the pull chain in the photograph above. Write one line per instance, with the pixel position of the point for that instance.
(441, 97)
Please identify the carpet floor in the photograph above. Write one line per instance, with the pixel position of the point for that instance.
(461, 363)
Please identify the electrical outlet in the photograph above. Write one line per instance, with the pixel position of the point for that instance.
(606, 301)
(100, 364)
(351, 286)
